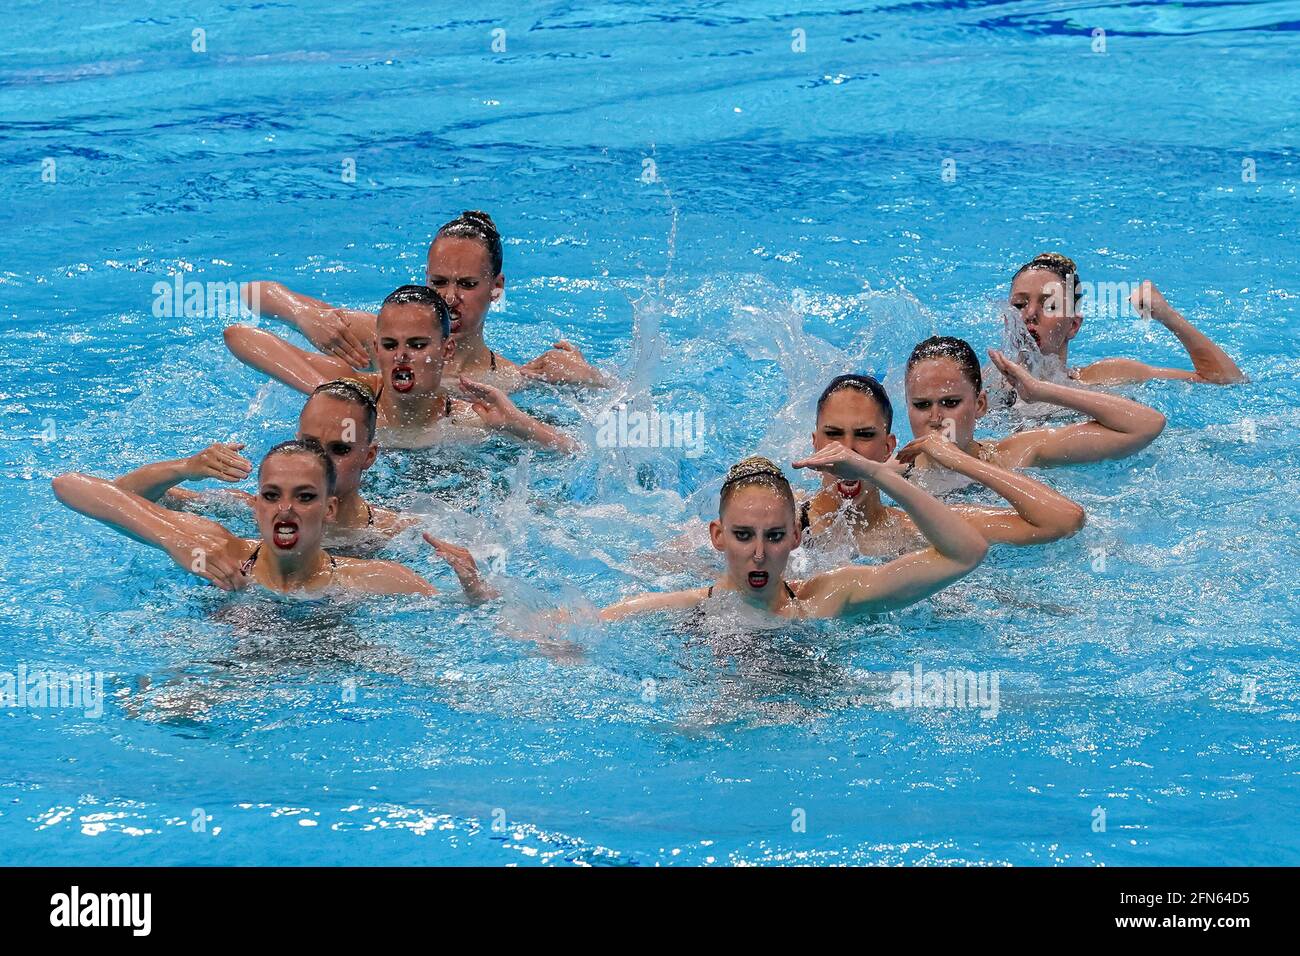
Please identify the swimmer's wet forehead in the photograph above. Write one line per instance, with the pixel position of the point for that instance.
(938, 377)
(408, 322)
(326, 418)
(851, 408)
(300, 471)
(758, 506)
(458, 257)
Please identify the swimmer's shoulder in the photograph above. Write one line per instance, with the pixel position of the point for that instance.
(371, 576)
(655, 601)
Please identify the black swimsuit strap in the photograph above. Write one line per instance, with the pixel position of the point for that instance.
(804, 523)
(370, 517)
(788, 590)
(492, 357)
(247, 566)
(447, 413)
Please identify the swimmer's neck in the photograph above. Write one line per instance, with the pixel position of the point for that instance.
(864, 511)
(285, 573)
(353, 511)
(774, 604)
(471, 351)
(412, 411)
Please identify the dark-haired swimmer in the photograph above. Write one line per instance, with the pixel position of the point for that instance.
(1046, 292)
(464, 265)
(755, 531)
(413, 346)
(295, 501)
(853, 440)
(945, 396)
(341, 416)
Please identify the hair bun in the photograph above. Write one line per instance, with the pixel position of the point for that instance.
(481, 218)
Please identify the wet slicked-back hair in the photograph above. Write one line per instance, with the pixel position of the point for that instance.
(755, 470)
(949, 347)
(422, 295)
(860, 383)
(477, 225)
(303, 446)
(1060, 265)
(358, 393)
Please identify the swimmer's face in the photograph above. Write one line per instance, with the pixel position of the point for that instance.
(1049, 313)
(941, 399)
(756, 534)
(410, 350)
(340, 427)
(292, 507)
(460, 270)
(855, 420)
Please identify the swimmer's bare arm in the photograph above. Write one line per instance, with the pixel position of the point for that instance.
(1212, 364)
(342, 333)
(1041, 514)
(649, 603)
(155, 481)
(499, 413)
(196, 544)
(957, 546)
(1120, 426)
(284, 362)
(477, 590)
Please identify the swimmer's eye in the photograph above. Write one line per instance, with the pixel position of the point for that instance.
(867, 433)
(776, 536)
(743, 535)
(270, 496)
(417, 344)
(468, 283)
(388, 344)
(830, 432)
(341, 450)
(950, 402)
(437, 281)
(307, 496)
(921, 404)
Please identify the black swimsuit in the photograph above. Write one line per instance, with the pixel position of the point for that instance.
(788, 590)
(804, 523)
(247, 566)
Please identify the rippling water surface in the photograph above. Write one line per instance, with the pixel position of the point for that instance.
(796, 225)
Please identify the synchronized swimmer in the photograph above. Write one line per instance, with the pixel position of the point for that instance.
(419, 373)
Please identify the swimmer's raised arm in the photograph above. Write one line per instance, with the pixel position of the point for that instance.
(158, 479)
(1041, 514)
(1211, 363)
(196, 544)
(284, 362)
(477, 591)
(499, 413)
(957, 546)
(1120, 426)
(345, 334)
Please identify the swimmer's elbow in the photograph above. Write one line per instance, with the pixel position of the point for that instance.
(1073, 520)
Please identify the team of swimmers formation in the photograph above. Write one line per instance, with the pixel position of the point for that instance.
(420, 373)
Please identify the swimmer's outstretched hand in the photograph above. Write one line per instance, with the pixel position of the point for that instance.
(206, 558)
(493, 406)
(330, 332)
(1027, 386)
(563, 364)
(847, 465)
(462, 562)
(221, 461)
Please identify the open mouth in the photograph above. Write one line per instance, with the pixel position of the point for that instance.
(403, 378)
(849, 489)
(758, 580)
(455, 322)
(1033, 334)
(285, 534)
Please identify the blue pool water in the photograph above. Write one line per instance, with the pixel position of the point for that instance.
(1162, 689)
